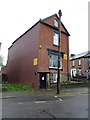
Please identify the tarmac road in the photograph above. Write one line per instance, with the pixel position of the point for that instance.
(69, 106)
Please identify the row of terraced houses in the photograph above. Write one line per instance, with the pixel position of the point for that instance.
(33, 57)
(80, 64)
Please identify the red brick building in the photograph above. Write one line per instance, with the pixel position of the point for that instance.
(80, 64)
(32, 58)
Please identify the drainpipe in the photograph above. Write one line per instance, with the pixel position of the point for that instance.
(67, 59)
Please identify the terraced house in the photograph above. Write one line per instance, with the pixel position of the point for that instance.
(80, 64)
(33, 57)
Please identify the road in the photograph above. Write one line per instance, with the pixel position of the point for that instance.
(61, 107)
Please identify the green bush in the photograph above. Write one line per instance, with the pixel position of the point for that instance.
(16, 87)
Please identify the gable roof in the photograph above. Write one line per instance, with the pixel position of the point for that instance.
(42, 22)
(50, 17)
(55, 15)
(81, 55)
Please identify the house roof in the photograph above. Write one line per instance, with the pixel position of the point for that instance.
(81, 55)
(50, 17)
(88, 55)
(42, 22)
(57, 18)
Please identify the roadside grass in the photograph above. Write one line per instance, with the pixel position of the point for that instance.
(24, 87)
(16, 87)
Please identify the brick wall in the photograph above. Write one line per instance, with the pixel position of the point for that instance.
(21, 55)
(46, 41)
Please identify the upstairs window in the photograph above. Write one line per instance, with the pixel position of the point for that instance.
(55, 39)
(79, 62)
(79, 72)
(73, 63)
(55, 23)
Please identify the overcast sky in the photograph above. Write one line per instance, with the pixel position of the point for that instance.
(16, 16)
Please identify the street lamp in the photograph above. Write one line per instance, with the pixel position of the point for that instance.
(59, 37)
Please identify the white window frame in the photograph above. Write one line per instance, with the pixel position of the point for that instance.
(79, 72)
(73, 72)
(79, 61)
(52, 61)
(55, 75)
(55, 39)
(73, 63)
(55, 23)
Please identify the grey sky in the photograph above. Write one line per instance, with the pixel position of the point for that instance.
(19, 15)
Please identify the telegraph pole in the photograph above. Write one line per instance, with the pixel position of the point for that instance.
(59, 37)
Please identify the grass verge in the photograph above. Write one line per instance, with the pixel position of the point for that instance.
(23, 87)
(16, 87)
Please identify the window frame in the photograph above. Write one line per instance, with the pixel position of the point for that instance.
(55, 38)
(55, 76)
(73, 63)
(52, 61)
(55, 23)
(79, 72)
(79, 62)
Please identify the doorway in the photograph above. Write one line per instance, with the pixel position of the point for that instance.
(43, 83)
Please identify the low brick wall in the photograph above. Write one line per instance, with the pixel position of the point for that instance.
(64, 77)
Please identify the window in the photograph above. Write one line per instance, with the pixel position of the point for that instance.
(79, 72)
(55, 23)
(89, 62)
(79, 62)
(73, 63)
(55, 78)
(73, 72)
(55, 39)
(54, 61)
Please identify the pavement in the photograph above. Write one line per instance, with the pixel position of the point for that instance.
(43, 94)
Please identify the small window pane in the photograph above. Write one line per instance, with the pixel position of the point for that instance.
(55, 39)
(55, 78)
(79, 62)
(55, 23)
(54, 61)
(72, 63)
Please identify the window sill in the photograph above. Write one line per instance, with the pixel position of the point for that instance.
(55, 45)
(79, 65)
(55, 68)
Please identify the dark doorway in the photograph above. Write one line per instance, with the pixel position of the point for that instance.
(43, 84)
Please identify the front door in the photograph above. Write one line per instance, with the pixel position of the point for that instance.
(43, 80)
